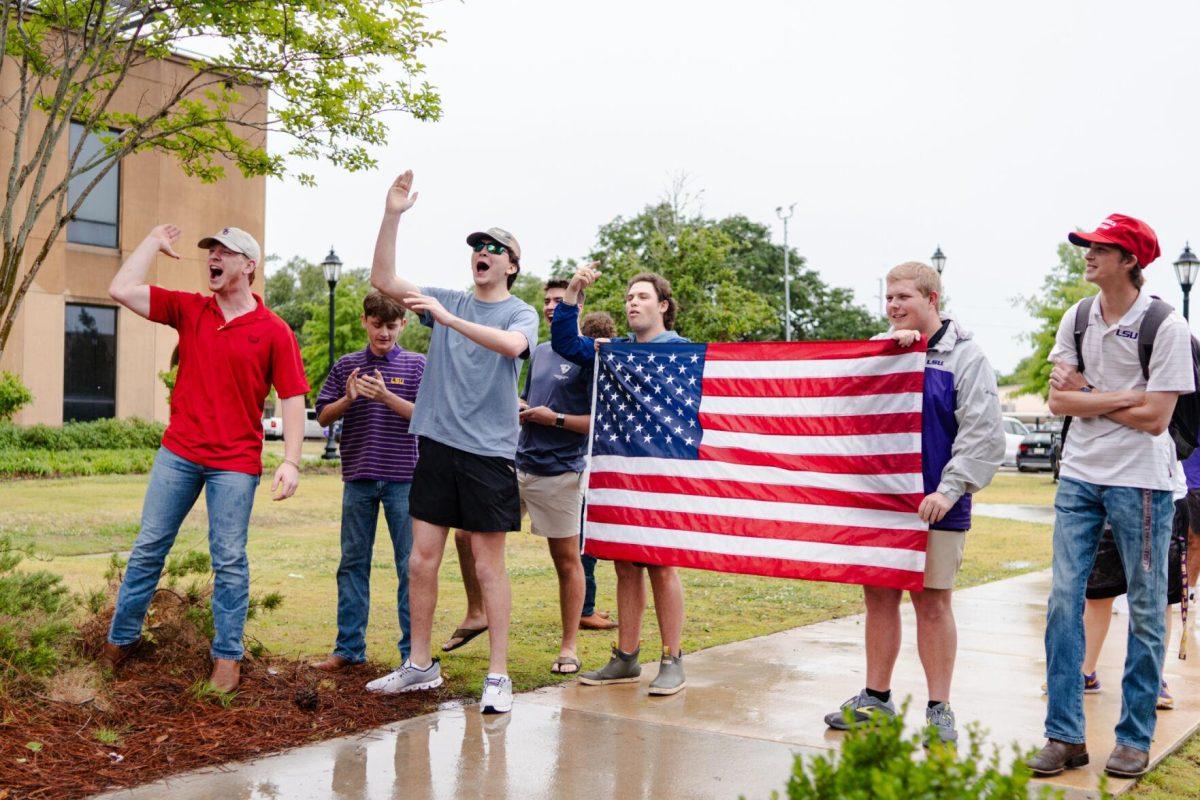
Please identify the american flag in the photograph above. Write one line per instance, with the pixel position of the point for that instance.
(793, 460)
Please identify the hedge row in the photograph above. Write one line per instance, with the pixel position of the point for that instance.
(102, 434)
(66, 464)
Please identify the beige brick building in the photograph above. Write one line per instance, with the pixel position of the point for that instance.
(81, 355)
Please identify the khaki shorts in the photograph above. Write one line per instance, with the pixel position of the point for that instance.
(943, 558)
(553, 503)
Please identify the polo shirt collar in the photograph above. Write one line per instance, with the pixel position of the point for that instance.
(391, 356)
(259, 311)
(1131, 317)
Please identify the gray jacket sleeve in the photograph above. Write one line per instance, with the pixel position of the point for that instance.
(979, 446)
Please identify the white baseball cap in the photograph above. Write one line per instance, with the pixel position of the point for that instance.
(236, 240)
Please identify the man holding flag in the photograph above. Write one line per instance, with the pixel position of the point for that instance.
(962, 445)
(650, 310)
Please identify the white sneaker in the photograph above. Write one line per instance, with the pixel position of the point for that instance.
(408, 679)
(497, 694)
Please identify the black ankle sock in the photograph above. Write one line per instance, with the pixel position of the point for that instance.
(933, 703)
(882, 697)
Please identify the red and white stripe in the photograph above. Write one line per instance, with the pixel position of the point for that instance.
(809, 467)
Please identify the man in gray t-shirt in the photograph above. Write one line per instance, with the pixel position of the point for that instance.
(466, 422)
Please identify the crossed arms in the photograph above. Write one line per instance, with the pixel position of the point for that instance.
(1143, 411)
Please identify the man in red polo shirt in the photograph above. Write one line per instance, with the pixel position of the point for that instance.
(231, 351)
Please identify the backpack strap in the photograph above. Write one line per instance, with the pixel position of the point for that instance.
(1152, 320)
(1083, 314)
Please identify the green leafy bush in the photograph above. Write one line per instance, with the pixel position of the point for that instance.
(62, 464)
(35, 620)
(101, 434)
(13, 395)
(879, 762)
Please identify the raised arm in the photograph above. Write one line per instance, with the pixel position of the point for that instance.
(383, 265)
(129, 287)
(565, 338)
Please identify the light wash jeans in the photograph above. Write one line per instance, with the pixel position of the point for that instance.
(360, 517)
(1141, 523)
(175, 483)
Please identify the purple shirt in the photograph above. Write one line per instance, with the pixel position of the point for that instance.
(1191, 469)
(376, 444)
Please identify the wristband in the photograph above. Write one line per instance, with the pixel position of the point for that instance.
(293, 463)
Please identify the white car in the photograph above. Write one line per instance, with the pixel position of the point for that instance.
(273, 426)
(1014, 432)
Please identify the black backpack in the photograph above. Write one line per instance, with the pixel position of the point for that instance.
(1185, 421)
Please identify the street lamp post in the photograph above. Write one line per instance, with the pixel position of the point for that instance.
(939, 260)
(332, 267)
(1186, 267)
(787, 272)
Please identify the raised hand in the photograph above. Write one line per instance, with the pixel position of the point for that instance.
(352, 385)
(165, 237)
(399, 198)
(421, 304)
(585, 276)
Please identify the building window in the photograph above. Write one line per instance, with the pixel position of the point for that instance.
(98, 217)
(90, 363)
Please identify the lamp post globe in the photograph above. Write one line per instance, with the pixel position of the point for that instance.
(938, 259)
(1186, 268)
(332, 267)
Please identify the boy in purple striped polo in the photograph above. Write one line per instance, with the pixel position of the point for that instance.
(372, 392)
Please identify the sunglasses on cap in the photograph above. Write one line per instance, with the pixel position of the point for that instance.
(491, 247)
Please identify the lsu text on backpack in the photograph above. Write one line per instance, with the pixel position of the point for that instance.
(1185, 421)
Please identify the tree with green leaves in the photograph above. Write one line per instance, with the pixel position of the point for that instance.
(320, 73)
(1061, 289)
(726, 274)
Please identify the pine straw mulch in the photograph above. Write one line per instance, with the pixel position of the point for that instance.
(165, 726)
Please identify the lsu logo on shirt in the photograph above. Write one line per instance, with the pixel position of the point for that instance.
(397, 381)
(1127, 333)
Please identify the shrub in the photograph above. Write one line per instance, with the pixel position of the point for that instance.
(60, 464)
(13, 395)
(35, 620)
(101, 434)
(878, 760)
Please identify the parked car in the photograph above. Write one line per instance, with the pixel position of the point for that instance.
(272, 428)
(1039, 451)
(1014, 433)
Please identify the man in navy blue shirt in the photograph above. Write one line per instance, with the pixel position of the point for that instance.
(650, 311)
(550, 461)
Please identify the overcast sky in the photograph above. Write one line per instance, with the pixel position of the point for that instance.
(991, 130)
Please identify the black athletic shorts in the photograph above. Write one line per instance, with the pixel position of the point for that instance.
(1108, 574)
(463, 490)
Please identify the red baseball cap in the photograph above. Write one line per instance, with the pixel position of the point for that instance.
(1131, 234)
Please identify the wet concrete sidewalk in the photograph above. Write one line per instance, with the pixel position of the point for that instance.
(748, 708)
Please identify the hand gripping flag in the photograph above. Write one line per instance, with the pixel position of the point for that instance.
(793, 460)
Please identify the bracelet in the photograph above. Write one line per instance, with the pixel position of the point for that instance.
(293, 463)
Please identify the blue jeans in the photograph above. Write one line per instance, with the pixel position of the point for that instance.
(360, 516)
(1141, 523)
(175, 483)
(589, 585)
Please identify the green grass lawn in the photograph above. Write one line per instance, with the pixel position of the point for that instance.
(1022, 488)
(74, 524)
